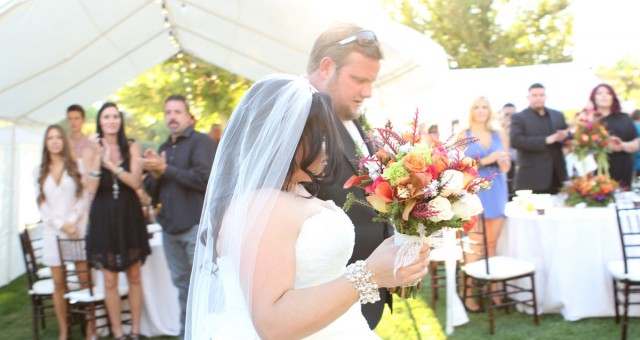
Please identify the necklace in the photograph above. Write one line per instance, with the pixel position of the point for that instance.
(116, 187)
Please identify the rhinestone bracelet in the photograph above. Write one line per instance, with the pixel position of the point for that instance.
(362, 279)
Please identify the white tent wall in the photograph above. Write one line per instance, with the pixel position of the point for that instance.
(20, 151)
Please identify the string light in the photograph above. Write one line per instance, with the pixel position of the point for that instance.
(173, 37)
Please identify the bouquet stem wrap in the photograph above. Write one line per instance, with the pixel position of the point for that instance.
(409, 251)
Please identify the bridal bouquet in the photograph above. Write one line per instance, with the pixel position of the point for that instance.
(420, 188)
(594, 190)
(591, 138)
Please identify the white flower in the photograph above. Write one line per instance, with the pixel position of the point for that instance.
(443, 207)
(406, 148)
(466, 206)
(431, 190)
(455, 154)
(451, 181)
(373, 168)
(388, 149)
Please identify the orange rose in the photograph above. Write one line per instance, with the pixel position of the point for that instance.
(440, 161)
(414, 162)
(382, 154)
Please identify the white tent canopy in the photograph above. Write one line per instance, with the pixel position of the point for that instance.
(61, 52)
(55, 53)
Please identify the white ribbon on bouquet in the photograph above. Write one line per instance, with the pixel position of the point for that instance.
(445, 239)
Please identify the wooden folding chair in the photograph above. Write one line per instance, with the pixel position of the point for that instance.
(86, 300)
(483, 271)
(40, 290)
(626, 272)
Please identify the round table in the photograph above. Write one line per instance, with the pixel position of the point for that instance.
(570, 248)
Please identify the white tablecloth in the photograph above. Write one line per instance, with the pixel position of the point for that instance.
(570, 248)
(160, 306)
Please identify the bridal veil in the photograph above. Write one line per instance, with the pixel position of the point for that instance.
(249, 170)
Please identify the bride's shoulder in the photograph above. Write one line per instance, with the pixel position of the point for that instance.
(296, 208)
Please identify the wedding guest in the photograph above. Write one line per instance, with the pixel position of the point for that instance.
(623, 134)
(63, 210)
(508, 110)
(636, 121)
(344, 62)
(177, 179)
(117, 237)
(76, 120)
(538, 133)
(216, 133)
(494, 160)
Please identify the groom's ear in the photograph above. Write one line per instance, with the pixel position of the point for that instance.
(327, 68)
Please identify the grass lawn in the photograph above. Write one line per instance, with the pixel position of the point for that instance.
(412, 319)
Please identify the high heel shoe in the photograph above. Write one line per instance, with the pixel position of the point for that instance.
(134, 336)
(480, 309)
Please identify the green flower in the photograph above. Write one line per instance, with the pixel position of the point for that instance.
(395, 172)
(424, 151)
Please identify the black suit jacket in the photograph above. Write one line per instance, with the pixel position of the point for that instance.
(369, 234)
(536, 160)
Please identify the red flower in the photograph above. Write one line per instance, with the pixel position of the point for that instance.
(355, 180)
(468, 225)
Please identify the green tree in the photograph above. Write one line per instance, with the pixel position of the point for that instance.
(212, 93)
(624, 76)
(490, 33)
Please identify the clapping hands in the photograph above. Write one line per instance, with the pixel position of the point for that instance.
(557, 137)
(153, 162)
(616, 143)
(499, 156)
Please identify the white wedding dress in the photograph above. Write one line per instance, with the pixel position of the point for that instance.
(324, 246)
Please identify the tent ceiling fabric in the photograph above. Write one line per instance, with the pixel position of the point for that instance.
(60, 52)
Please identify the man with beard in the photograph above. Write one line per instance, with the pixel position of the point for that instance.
(344, 62)
(177, 179)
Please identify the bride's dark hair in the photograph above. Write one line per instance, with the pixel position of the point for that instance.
(319, 129)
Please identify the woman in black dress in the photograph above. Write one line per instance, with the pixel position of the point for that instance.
(117, 237)
(624, 137)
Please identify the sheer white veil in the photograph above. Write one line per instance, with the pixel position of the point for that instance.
(249, 170)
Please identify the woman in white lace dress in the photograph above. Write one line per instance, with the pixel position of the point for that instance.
(271, 261)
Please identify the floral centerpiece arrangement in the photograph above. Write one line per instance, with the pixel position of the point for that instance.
(591, 138)
(594, 190)
(420, 188)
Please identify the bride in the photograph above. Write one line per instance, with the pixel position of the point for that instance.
(271, 259)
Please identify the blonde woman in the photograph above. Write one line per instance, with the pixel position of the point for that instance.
(491, 151)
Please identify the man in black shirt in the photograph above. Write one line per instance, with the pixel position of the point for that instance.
(177, 178)
(538, 133)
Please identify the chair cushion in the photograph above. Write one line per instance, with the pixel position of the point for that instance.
(84, 295)
(616, 268)
(45, 272)
(500, 267)
(438, 254)
(42, 287)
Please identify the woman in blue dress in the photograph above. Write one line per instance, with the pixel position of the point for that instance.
(494, 159)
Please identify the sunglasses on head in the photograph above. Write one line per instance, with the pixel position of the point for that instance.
(363, 38)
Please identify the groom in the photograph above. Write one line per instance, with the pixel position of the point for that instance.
(344, 63)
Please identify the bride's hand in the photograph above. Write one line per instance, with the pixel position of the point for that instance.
(381, 263)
